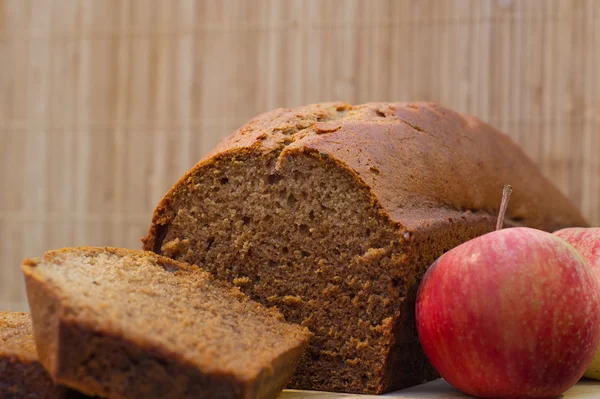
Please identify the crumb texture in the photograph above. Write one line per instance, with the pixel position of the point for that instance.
(16, 336)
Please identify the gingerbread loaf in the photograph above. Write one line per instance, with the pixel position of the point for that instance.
(333, 212)
(130, 324)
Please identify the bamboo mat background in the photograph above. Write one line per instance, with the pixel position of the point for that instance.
(104, 104)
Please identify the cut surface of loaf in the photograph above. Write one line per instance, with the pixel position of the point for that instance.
(125, 324)
(333, 212)
(21, 374)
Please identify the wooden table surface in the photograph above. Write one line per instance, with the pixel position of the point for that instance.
(584, 389)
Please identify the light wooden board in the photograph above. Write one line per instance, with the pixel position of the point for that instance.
(105, 103)
(439, 389)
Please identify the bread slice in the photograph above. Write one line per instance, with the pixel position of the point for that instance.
(333, 213)
(131, 324)
(21, 374)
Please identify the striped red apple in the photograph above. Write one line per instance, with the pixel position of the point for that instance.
(587, 242)
(512, 314)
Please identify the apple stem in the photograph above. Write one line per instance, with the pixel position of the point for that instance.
(506, 191)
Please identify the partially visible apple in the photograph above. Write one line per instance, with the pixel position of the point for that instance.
(511, 314)
(587, 242)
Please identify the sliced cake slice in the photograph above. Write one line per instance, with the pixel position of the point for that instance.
(131, 324)
(21, 374)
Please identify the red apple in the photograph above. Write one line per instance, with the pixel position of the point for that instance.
(587, 242)
(512, 314)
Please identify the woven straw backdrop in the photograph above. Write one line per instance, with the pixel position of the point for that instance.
(104, 104)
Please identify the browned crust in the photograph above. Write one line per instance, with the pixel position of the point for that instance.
(84, 356)
(421, 161)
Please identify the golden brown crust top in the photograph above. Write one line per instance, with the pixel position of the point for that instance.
(16, 337)
(421, 161)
